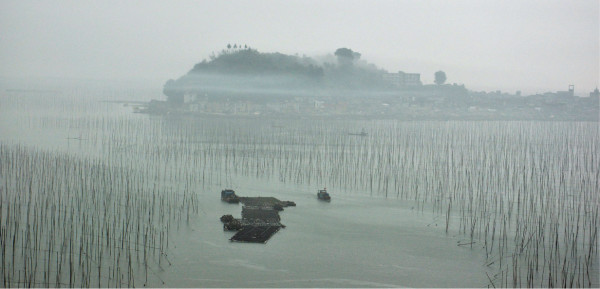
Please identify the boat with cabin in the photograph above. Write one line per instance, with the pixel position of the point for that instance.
(323, 195)
(229, 196)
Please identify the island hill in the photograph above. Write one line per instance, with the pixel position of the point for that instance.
(246, 82)
(249, 73)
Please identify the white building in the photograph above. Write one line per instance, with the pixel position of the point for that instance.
(403, 79)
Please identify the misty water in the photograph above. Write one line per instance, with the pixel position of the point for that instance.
(95, 195)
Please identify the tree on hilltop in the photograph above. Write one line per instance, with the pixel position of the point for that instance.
(344, 52)
(440, 77)
(346, 56)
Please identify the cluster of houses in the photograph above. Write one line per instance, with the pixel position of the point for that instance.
(410, 99)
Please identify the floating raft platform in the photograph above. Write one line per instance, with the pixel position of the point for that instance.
(265, 202)
(260, 215)
(255, 234)
(260, 219)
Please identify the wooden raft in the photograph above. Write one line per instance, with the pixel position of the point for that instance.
(260, 219)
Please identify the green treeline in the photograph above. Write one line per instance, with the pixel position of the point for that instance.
(246, 71)
(250, 61)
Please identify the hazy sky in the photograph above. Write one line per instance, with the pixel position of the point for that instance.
(533, 46)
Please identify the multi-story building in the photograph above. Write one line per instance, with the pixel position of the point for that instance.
(403, 79)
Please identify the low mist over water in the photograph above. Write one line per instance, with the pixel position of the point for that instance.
(94, 195)
(299, 144)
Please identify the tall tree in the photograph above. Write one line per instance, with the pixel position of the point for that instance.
(345, 53)
(346, 56)
(440, 77)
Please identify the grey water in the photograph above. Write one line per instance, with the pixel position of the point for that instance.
(386, 225)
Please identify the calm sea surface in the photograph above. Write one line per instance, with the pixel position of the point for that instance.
(414, 204)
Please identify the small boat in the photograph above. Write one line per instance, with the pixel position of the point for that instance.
(323, 195)
(229, 196)
(362, 133)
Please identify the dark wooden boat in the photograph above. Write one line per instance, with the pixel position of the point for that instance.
(323, 195)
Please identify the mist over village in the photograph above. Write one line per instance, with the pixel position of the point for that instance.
(242, 81)
(299, 144)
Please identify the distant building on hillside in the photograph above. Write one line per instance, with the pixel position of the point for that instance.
(568, 93)
(403, 79)
(595, 93)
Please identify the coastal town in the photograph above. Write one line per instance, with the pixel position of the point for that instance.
(410, 102)
(245, 82)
